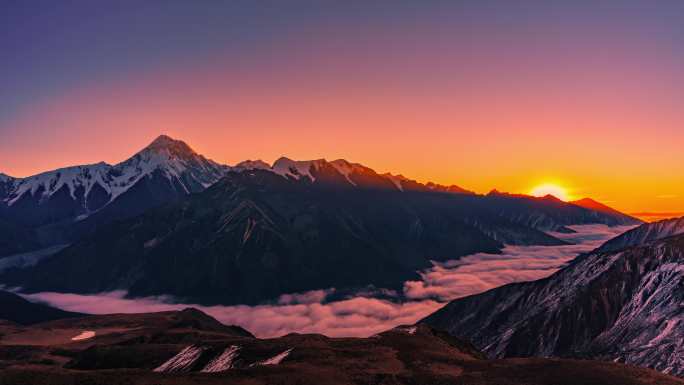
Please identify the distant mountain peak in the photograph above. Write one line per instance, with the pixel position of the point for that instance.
(252, 165)
(345, 163)
(296, 168)
(164, 140)
(551, 197)
(175, 147)
(592, 204)
(79, 191)
(497, 193)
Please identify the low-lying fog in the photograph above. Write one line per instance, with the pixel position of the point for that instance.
(362, 316)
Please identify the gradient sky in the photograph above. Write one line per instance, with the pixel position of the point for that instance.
(484, 94)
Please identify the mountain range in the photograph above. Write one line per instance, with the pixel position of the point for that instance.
(622, 302)
(171, 222)
(63, 205)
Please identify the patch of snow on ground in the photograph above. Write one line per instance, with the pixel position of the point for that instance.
(84, 335)
(182, 361)
(224, 361)
(275, 360)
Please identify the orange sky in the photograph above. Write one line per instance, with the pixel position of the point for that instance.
(598, 113)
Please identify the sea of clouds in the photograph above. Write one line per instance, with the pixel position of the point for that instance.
(362, 316)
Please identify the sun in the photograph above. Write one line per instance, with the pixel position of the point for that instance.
(550, 189)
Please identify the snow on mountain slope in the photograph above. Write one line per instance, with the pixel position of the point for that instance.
(624, 306)
(181, 362)
(252, 165)
(78, 191)
(48, 183)
(224, 361)
(648, 232)
(91, 187)
(354, 174)
(405, 184)
(345, 168)
(296, 168)
(175, 159)
(397, 180)
(275, 360)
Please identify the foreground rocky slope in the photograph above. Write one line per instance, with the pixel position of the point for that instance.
(624, 306)
(190, 347)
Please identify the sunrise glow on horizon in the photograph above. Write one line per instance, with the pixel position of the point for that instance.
(545, 189)
(495, 96)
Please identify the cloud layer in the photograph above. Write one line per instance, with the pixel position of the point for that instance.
(363, 316)
(354, 317)
(480, 272)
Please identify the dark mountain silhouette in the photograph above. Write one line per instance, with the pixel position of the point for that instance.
(64, 205)
(18, 310)
(257, 234)
(591, 204)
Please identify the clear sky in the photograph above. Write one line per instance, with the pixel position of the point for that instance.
(483, 94)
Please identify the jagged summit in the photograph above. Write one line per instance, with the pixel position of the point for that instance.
(172, 146)
(164, 140)
(497, 193)
(164, 170)
(252, 165)
(297, 168)
(168, 169)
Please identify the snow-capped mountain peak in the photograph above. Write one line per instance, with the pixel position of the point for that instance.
(252, 165)
(174, 159)
(173, 147)
(346, 168)
(296, 168)
(171, 159)
(169, 168)
(44, 185)
(307, 168)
